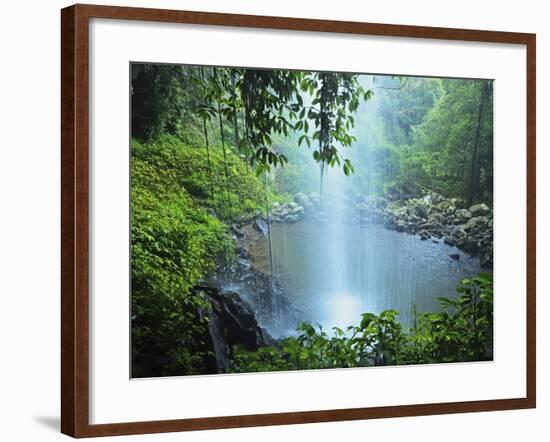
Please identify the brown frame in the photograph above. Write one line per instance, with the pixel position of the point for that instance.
(74, 220)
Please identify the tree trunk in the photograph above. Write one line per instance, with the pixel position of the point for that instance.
(473, 188)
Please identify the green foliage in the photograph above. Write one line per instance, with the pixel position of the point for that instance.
(336, 96)
(420, 135)
(445, 142)
(174, 244)
(202, 138)
(169, 99)
(177, 239)
(461, 332)
(239, 197)
(163, 102)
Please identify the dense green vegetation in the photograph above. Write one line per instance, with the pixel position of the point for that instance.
(176, 240)
(205, 141)
(201, 140)
(429, 134)
(461, 332)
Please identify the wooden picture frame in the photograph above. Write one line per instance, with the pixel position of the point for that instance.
(75, 219)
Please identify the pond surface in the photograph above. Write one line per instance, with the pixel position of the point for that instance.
(333, 272)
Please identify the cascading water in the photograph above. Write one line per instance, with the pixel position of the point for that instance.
(330, 267)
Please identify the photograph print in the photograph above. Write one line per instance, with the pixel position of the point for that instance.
(302, 220)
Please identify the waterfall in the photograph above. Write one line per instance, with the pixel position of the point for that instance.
(274, 310)
(333, 264)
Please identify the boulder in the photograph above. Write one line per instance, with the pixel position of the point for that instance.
(468, 244)
(480, 209)
(476, 223)
(463, 214)
(298, 210)
(261, 226)
(436, 198)
(292, 218)
(231, 322)
(455, 256)
(449, 241)
(301, 199)
(435, 219)
(421, 210)
(236, 231)
(400, 226)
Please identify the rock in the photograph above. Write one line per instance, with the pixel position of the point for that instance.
(236, 231)
(436, 198)
(292, 218)
(468, 244)
(261, 226)
(486, 261)
(446, 206)
(449, 241)
(463, 214)
(435, 219)
(459, 233)
(232, 322)
(244, 263)
(381, 202)
(424, 235)
(476, 223)
(400, 226)
(480, 209)
(421, 210)
(276, 205)
(301, 199)
(455, 256)
(298, 210)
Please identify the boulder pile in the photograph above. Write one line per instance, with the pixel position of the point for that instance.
(435, 217)
(303, 206)
(431, 216)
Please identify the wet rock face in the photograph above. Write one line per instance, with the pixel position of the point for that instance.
(249, 276)
(261, 226)
(231, 322)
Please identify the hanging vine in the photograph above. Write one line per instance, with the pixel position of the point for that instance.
(205, 112)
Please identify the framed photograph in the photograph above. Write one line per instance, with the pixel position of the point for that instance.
(272, 221)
